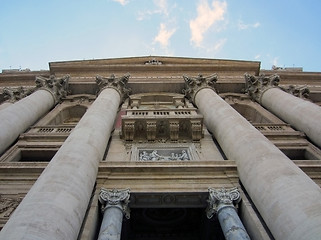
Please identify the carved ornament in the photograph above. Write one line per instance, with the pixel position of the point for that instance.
(58, 87)
(220, 198)
(119, 84)
(257, 85)
(194, 84)
(8, 205)
(15, 94)
(115, 198)
(298, 91)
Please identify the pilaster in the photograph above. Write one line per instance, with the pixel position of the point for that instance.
(58, 87)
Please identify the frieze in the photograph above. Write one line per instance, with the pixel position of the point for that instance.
(58, 87)
(257, 85)
(119, 84)
(164, 155)
(194, 84)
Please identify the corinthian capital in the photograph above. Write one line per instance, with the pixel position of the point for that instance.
(257, 85)
(194, 84)
(298, 91)
(15, 94)
(119, 84)
(58, 87)
(115, 198)
(220, 198)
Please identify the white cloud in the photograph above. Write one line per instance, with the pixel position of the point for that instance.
(275, 61)
(243, 26)
(164, 35)
(219, 44)
(206, 17)
(257, 56)
(122, 2)
(161, 8)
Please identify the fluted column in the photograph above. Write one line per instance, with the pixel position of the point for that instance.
(18, 117)
(301, 114)
(114, 206)
(221, 203)
(55, 206)
(287, 199)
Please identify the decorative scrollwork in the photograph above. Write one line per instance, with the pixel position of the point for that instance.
(58, 87)
(219, 198)
(115, 198)
(119, 84)
(257, 85)
(195, 84)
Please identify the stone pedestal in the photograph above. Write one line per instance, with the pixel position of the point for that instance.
(55, 206)
(301, 114)
(114, 206)
(221, 203)
(276, 185)
(18, 117)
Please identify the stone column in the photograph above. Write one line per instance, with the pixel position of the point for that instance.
(284, 195)
(301, 114)
(221, 203)
(56, 205)
(18, 117)
(114, 206)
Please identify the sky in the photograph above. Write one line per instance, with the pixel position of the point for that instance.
(284, 33)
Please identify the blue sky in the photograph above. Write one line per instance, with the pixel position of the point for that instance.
(284, 33)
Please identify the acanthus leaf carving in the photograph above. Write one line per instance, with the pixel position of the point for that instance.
(219, 198)
(194, 84)
(58, 87)
(257, 85)
(8, 205)
(119, 84)
(298, 91)
(115, 198)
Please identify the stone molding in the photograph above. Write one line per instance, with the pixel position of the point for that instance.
(256, 85)
(119, 84)
(115, 198)
(58, 87)
(194, 84)
(15, 94)
(221, 198)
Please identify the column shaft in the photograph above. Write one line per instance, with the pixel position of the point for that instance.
(231, 224)
(302, 114)
(18, 117)
(287, 199)
(111, 225)
(55, 206)
(5, 105)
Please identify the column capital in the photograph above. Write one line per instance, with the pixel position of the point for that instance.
(115, 198)
(194, 84)
(220, 198)
(297, 91)
(119, 84)
(15, 94)
(58, 87)
(257, 85)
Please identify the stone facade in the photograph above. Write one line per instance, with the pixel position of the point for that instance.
(149, 147)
